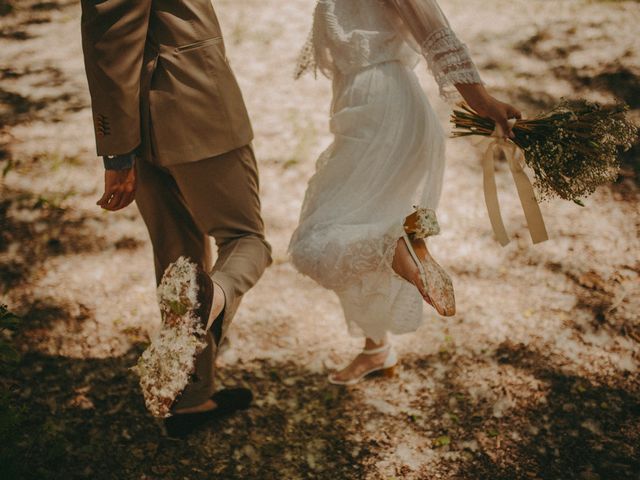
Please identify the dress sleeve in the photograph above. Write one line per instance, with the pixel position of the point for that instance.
(447, 57)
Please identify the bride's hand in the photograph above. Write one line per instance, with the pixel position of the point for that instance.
(487, 106)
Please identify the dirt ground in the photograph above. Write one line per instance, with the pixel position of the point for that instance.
(536, 377)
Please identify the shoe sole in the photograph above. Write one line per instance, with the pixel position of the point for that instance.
(166, 366)
(444, 303)
(385, 371)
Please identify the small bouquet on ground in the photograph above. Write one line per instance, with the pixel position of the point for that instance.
(572, 149)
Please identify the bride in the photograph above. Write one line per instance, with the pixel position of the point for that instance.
(357, 233)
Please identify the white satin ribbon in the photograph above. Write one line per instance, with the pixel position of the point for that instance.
(514, 156)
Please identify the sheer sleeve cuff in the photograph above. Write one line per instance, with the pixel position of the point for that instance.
(449, 62)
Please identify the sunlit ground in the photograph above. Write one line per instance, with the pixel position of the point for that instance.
(536, 377)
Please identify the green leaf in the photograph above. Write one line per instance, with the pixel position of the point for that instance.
(493, 432)
(178, 308)
(8, 167)
(8, 319)
(442, 441)
(8, 354)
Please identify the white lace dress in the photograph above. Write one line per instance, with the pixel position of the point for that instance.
(387, 154)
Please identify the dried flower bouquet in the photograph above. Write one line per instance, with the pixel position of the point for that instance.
(572, 149)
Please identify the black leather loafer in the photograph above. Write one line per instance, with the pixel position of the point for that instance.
(228, 401)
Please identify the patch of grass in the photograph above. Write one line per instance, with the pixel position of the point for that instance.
(6, 7)
(8, 324)
(306, 134)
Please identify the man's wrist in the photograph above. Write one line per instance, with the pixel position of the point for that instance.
(119, 162)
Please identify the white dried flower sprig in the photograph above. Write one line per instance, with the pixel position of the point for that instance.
(167, 364)
(178, 287)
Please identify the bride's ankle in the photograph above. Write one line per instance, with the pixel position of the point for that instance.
(371, 344)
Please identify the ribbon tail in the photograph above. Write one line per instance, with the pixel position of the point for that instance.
(491, 196)
(532, 213)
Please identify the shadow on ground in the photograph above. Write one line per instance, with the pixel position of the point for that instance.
(585, 428)
(90, 422)
(36, 227)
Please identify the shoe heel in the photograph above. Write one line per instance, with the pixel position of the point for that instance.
(389, 372)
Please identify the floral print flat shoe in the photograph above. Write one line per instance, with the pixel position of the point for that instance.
(436, 281)
(185, 296)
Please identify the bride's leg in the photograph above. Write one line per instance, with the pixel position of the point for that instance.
(364, 362)
(404, 265)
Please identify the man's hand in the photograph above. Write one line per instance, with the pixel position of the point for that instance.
(119, 189)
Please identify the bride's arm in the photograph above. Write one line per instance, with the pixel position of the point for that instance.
(448, 58)
(487, 106)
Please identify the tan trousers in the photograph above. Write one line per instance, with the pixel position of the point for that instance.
(182, 205)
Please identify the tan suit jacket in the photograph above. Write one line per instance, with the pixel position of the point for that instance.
(159, 78)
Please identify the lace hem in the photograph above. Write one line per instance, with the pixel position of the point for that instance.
(375, 299)
(449, 62)
(323, 255)
(306, 61)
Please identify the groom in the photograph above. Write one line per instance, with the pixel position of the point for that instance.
(174, 134)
